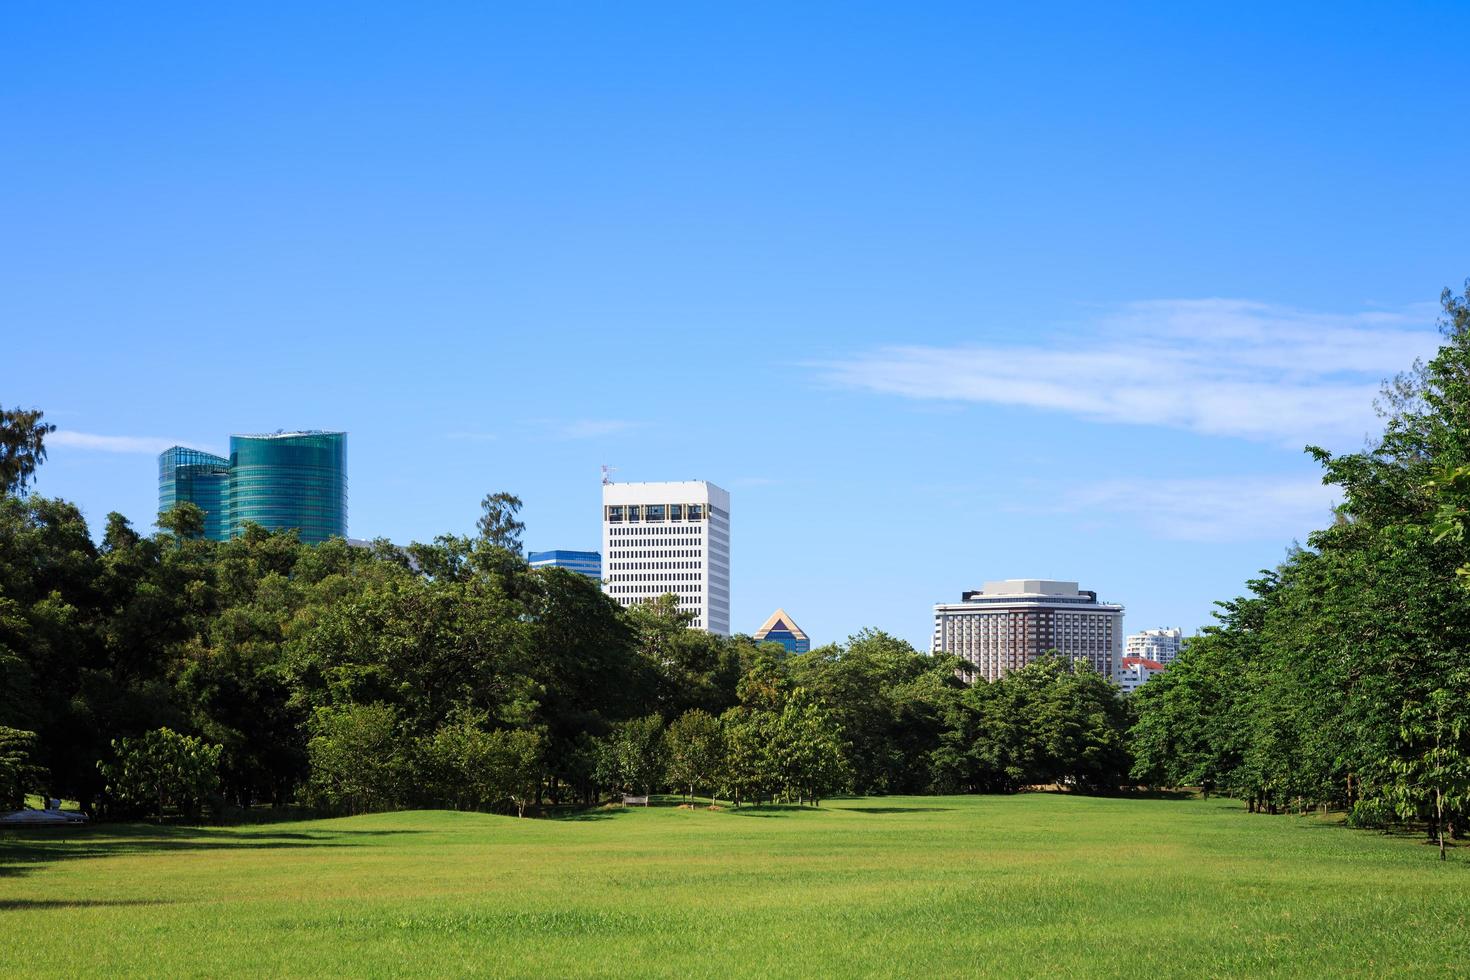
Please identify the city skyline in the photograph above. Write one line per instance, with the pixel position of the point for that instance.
(936, 309)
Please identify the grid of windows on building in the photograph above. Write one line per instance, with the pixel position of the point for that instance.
(1010, 623)
(281, 481)
(193, 476)
(1160, 645)
(1138, 671)
(669, 539)
(588, 563)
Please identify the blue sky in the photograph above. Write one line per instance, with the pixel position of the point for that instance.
(940, 295)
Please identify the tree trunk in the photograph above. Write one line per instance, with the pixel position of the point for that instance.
(1439, 814)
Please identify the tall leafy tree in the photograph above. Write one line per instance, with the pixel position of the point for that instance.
(694, 748)
(498, 525)
(162, 769)
(19, 773)
(22, 447)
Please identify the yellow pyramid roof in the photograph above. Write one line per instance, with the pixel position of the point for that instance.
(780, 617)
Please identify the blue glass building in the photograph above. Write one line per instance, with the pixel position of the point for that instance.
(281, 481)
(285, 480)
(782, 629)
(191, 476)
(587, 563)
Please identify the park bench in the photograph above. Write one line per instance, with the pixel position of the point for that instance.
(635, 800)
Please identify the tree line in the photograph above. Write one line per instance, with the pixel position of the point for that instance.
(1342, 678)
(167, 673)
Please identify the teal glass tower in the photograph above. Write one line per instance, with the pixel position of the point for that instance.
(280, 480)
(200, 478)
(285, 480)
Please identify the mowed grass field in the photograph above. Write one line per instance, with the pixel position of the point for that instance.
(948, 886)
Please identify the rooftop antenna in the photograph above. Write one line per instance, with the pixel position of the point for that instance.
(607, 472)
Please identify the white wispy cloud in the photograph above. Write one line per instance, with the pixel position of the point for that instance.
(1234, 508)
(1215, 366)
(589, 428)
(110, 444)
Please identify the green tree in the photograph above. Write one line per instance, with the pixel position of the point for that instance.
(498, 525)
(357, 758)
(184, 521)
(19, 773)
(888, 700)
(473, 767)
(695, 750)
(749, 773)
(806, 749)
(22, 447)
(57, 678)
(516, 758)
(580, 638)
(631, 759)
(1432, 779)
(162, 769)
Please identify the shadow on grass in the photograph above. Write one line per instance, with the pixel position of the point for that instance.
(23, 851)
(597, 813)
(773, 810)
(608, 811)
(23, 904)
(1155, 794)
(892, 809)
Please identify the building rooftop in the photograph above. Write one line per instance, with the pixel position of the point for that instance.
(1143, 662)
(780, 622)
(1030, 586)
(283, 434)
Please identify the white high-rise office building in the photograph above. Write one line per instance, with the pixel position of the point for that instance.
(1162, 645)
(660, 538)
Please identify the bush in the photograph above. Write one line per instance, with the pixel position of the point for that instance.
(357, 760)
(1373, 813)
(160, 770)
(475, 768)
(18, 772)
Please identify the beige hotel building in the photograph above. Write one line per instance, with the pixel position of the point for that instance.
(1010, 623)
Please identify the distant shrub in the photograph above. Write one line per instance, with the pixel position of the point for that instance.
(1373, 813)
(358, 761)
(162, 770)
(18, 772)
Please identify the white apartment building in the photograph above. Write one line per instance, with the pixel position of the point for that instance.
(1162, 645)
(1010, 623)
(660, 538)
(1138, 671)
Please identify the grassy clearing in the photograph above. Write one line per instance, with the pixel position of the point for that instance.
(944, 886)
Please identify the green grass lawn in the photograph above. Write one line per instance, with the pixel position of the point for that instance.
(951, 886)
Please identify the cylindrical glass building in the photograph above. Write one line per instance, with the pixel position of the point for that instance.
(286, 480)
(192, 476)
